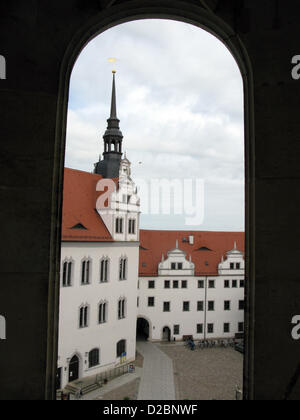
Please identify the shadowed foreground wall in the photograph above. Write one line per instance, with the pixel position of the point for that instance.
(40, 41)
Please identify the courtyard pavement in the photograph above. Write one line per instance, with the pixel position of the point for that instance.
(157, 380)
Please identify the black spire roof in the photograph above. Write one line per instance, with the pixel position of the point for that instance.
(110, 165)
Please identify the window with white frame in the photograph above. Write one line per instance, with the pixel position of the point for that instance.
(85, 272)
(104, 266)
(67, 274)
(84, 316)
(131, 226)
(122, 308)
(102, 312)
(119, 225)
(123, 269)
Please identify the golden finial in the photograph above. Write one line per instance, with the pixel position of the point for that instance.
(113, 60)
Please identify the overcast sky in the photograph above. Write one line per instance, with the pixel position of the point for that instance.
(180, 102)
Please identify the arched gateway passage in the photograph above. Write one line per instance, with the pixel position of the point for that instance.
(142, 329)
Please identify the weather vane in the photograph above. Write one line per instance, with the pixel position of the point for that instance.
(113, 60)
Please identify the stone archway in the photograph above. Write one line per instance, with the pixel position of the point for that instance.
(142, 329)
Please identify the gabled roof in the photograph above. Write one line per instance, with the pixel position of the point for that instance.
(79, 208)
(154, 243)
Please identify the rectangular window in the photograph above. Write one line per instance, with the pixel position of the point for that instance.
(200, 306)
(241, 305)
(241, 327)
(175, 284)
(242, 284)
(211, 305)
(234, 284)
(211, 284)
(226, 328)
(167, 284)
(119, 225)
(199, 328)
(238, 266)
(151, 284)
(151, 301)
(173, 266)
(138, 302)
(227, 305)
(186, 306)
(179, 266)
(184, 284)
(176, 329)
(231, 266)
(227, 284)
(200, 284)
(167, 307)
(210, 328)
(131, 226)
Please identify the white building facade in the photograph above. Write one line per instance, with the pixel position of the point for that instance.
(177, 303)
(118, 280)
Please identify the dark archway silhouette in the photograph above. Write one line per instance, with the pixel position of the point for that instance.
(142, 329)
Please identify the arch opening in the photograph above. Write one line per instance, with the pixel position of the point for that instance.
(143, 324)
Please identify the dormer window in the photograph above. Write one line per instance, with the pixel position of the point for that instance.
(176, 266)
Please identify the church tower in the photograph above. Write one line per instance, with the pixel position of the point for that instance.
(109, 166)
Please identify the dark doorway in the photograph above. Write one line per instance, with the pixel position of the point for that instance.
(166, 334)
(74, 369)
(142, 329)
(58, 379)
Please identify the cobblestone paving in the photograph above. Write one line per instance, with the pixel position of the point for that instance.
(129, 390)
(210, 374)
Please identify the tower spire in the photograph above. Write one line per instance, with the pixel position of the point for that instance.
(113, 137)
(113, 109)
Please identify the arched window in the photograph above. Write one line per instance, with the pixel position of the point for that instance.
(104, 266)
(123, 269)
(83, 316)
(122, 308)
(94, 359)
(85, 272)
(102, 314)
(131, 226)
(67, 273)
(121, 348)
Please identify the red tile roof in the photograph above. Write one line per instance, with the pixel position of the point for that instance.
(82, 223)
(154, 243)
(79, 208)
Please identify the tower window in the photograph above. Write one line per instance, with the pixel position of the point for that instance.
(119, 225)
(131, 227)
